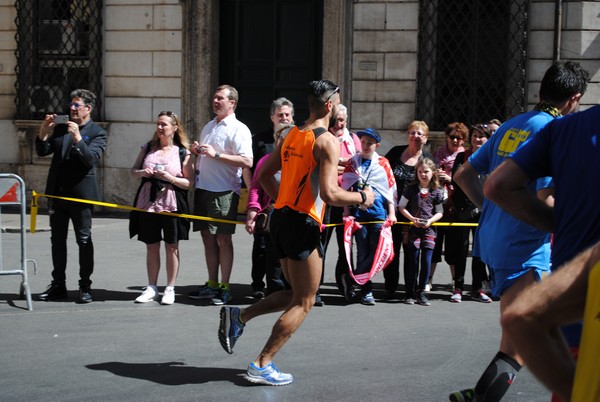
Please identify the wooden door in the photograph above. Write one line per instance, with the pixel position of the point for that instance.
(268, 49)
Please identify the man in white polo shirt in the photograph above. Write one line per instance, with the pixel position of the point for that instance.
(224, 149)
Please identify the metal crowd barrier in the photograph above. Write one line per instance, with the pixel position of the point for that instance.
(12, 192)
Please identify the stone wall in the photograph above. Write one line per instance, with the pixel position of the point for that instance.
(384, 67)
(143, 76)
(384, 59)
(580, 40)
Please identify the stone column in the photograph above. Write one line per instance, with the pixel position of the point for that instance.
(200, 62)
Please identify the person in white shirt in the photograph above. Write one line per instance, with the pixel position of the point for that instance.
(224, 149)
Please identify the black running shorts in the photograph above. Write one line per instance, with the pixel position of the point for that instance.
(295, 235)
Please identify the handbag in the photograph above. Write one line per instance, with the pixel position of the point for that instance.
(262, 221)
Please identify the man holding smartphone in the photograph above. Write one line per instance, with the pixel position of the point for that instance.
(77, 144)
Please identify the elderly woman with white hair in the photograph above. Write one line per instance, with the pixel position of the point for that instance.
(349, 146)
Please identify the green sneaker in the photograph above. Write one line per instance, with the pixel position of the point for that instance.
(222, 297)
(466, 395)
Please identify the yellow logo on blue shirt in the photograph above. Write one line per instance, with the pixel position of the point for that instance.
(513, 138)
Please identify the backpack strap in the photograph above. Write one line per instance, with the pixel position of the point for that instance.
(182, 153)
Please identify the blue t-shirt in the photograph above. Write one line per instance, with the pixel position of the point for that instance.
(376, 212)
(568, 149)
(503, 241)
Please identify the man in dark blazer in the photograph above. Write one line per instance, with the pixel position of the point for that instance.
(77, 146)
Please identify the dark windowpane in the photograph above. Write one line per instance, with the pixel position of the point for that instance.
(59, 48)
(471, 60)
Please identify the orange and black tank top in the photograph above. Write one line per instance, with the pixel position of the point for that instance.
(299, 186)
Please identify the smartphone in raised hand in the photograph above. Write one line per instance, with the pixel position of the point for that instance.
(61, 119)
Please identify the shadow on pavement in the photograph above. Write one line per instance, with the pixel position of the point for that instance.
(171, 373)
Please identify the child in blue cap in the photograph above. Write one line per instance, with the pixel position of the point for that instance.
(367, 168)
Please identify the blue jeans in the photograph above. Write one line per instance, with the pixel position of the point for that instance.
(367, 240)
(411, 269)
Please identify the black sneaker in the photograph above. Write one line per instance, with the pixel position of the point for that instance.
(258, 294)
(422, 299)
(466, 395)
(348, 286)
(318, 301)
(85, 295)
(54, 292)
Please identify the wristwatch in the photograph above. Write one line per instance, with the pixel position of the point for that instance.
(363, 196)
(217, 155)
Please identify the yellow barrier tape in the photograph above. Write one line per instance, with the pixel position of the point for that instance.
(126, 207)
(34, 208)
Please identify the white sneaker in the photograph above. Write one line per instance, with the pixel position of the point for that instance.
(168, 297)
(456, 296)
(147, 295)
(486, 287)
(481, 296)
(428, 287)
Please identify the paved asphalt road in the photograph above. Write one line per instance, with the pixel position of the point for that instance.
(115, 350)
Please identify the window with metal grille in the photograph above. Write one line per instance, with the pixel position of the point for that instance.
(59, 49)
(472, 60)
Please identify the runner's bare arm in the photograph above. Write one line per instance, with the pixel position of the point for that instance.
(507, 187)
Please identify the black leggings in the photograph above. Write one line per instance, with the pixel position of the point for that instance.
(477, 266)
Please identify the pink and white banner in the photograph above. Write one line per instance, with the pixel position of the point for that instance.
(383, 255)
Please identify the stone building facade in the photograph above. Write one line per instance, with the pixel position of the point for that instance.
(164, 55)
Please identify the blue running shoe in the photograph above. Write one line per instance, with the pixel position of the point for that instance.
(368, 299)
(269, 375)
(230, 327)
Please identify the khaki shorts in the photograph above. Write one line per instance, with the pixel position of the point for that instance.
(220, 205)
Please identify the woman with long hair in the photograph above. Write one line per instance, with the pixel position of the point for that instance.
(166, 172)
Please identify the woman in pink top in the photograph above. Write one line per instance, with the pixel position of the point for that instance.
(166, 172)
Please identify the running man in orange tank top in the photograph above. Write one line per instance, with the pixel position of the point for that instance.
(308, 160)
